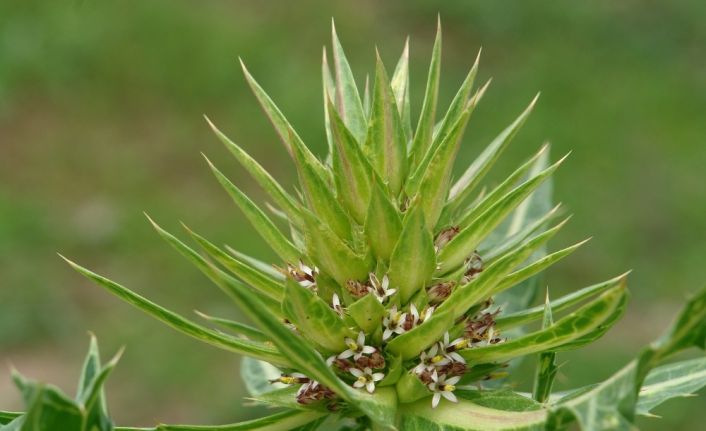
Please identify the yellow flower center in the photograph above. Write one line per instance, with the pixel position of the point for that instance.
(449, 388)
(437, 358)
(353, 346)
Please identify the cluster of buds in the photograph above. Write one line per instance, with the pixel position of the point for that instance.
(380, 288)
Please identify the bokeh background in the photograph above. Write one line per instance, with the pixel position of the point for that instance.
(100, 119)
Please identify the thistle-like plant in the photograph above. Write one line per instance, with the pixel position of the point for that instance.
(399, 293)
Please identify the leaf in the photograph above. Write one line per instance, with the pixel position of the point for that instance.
(481, 165)
(332, 255)
(255, 263)
(288, 420)
(7, 417)
(537, 266)
(413, 259)
(283, 199)
(329, 90)
(531, 314)
(241, 329)
(367, 312)
(410, 389)
(352, 170)
(347, 97)
(383, 225)
(400, 87)
(48, 409)
(245, 347)
(285, 131)
(463, 244)
(413, 342)
(612, 404)
(458, 104)
(257, 280)
(320, 197)
(579, 323)
(425, 125)
(469, 415)
(546, 364)
(465, 296)
(435, 175)
(386, 141)
(504, 187)
(257, 374)
(491, 248)
(264, 226)
(679, 379)
(314, 318)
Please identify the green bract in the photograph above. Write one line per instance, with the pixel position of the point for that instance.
(399, 291)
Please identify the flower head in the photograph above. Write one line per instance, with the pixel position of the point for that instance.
(366, 378)
(443, 387)
(394, 323)
(381, 289)
(356, 348)
(430, 360)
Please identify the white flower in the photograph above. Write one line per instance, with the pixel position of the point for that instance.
(381, 289)
(430, 360)
(393, 323)
(336, 304)
(309, 274)
(366, 378)
(356, 348)
(443, 387)
(450, 349)
(418, 319)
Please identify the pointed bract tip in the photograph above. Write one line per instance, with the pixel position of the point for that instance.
(210, 123)
(580, 243)
(475, 63)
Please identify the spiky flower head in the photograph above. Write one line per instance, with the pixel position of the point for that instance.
(394, 284)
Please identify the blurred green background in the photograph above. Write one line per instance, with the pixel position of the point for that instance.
(100, 119)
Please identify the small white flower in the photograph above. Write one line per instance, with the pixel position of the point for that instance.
(366, 378)
(450, 349)
(443, 387)
(393, 323)
(417, 318)
(381, 289)
(356, 348)
(336, 304)
(430, 360)
(308, 274)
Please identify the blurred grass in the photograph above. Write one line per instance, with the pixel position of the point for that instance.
(100, 119)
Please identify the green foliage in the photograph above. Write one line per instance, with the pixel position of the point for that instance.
(385, 301)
